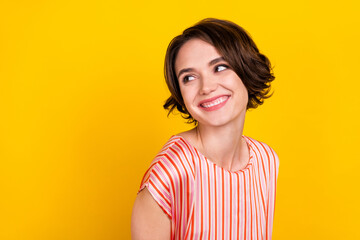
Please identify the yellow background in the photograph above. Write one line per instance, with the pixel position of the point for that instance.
(81, 94)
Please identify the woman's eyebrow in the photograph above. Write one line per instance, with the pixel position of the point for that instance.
(216, 60)
(184, 71)
(212, 62)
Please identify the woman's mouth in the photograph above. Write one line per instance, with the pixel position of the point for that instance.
(214, 103)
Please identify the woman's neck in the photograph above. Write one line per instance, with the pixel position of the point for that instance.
(222, 145)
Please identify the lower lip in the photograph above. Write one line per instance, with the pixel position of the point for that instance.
(216, 107)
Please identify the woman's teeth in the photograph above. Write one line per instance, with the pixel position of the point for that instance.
(215, 102)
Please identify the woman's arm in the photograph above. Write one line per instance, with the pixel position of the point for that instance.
(148, 220)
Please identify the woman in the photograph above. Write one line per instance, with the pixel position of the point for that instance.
(211, 182)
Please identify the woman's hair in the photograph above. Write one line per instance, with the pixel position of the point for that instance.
(236, 47)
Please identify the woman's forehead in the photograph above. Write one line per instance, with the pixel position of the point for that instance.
(195, 53)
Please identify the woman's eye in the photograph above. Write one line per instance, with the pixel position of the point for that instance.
(188, 78)
(220, 68)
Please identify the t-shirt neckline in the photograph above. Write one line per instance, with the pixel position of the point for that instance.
(247, 167)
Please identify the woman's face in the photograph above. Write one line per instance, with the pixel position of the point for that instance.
(212, 92)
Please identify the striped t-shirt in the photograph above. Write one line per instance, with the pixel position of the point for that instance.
(205, 201)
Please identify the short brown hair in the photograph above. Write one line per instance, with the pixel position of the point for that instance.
(236, 47)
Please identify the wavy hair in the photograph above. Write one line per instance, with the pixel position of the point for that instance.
(236, 47)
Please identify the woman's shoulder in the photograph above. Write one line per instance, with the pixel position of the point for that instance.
(175, 144)
(176, 153)
(172, 163)
(263, 150)
(259, 144)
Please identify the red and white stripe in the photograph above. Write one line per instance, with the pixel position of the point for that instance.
(205, 201)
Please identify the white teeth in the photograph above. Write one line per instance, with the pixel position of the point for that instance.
(215, 102)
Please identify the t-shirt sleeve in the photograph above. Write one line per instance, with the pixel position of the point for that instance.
(157, 180)
(274, 166)
(276, 163)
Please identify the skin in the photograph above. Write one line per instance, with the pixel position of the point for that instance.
(219, 133)
(148, 221)
(202, 74)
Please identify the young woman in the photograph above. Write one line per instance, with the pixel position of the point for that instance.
(211, 182)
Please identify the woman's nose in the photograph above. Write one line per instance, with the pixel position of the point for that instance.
(208, 85)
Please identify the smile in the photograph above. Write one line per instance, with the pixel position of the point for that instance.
(213, 103)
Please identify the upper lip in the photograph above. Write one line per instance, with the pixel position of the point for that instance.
(212, 99)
